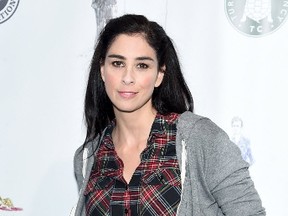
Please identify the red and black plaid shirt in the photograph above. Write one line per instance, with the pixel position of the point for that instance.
(155, 187)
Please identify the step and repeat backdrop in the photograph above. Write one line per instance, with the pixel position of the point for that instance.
(234, 56)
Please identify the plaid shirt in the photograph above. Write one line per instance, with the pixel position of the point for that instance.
(155, 187)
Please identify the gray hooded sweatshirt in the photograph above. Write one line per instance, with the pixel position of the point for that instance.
(215, 179)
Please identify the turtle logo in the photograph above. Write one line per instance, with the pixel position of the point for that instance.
(7, 9)
(257, 10)
(256, 17)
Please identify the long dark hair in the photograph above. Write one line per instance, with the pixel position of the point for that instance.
(172, 95)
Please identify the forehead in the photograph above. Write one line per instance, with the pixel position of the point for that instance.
(134, 44)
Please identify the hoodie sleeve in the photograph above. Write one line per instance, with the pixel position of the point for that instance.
(78, 167)
(226, 173)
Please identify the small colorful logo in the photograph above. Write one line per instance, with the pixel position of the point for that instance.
(7, 205)
(256, 17)
(7, 9)
(241, 140)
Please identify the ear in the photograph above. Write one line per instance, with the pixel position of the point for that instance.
(160, 76)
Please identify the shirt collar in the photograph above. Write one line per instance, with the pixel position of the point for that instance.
(159, 128)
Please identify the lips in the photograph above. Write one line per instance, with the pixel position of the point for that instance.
(127, 94)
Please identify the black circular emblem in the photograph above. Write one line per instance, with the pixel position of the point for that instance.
(7, 9)
(256, 17)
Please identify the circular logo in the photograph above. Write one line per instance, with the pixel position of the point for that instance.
(256, 17)
(7, 9)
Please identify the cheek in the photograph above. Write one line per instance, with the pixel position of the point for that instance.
(110, 83)
(148, 82)
(110, 79)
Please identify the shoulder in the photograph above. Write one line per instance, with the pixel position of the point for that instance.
(208, 144)
(190, 124)
(82, 160)
(83, 153)
(78, 161)
(203, 134)
(79, 153)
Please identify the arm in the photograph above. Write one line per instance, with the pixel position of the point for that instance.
(226, 173)
(78, 166)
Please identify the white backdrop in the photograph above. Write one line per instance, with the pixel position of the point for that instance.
(45, 49)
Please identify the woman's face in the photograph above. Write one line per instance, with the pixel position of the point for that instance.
(130, 73)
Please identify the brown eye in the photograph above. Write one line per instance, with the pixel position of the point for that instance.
(118, 64)
(142, 66)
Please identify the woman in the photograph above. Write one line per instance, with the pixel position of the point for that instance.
(145, 152)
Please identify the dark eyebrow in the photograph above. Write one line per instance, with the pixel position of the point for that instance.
(116, 56)
(141, 58)
(144, 58)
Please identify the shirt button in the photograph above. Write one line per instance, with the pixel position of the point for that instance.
(161, 178)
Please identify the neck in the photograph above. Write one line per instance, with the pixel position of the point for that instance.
(133, 128)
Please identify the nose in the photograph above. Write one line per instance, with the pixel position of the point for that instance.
(128, 77)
